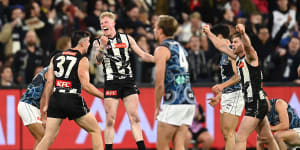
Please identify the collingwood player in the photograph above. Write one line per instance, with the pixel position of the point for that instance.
(232, 103)
(250, 76)
(68, 73)
(116, 55)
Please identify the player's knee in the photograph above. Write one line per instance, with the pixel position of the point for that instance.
(240, 138)
(110, 120)
(209, 140)
(278, 136)
(228, 134)
(134, 118)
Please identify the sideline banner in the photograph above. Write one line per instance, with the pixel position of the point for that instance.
(14, 136)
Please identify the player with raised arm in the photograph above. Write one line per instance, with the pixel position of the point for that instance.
(250, 76)
(232, 102)
(116, 55)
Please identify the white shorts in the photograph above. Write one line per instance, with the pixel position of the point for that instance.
(29, 114)
(232, 103)
(180, 114)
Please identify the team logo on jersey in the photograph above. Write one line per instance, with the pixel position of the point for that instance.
(111, 93)
(241, 65)
(120, 45)
(63, 83)
(108, 46)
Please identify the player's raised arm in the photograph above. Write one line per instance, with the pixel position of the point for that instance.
(144, 56)
(221, 45)
(250, 53)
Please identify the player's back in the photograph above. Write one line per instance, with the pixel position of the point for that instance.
(177, 81)
(65, 66)
(273, 115)
(227, 73)
(35, 89)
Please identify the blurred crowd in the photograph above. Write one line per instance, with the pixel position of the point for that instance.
(30, 30)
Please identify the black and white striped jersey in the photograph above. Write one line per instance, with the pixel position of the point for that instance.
(251, 80)
(118, 62)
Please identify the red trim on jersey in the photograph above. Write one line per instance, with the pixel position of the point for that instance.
(69, 53)
(63, 83)
(241, 65)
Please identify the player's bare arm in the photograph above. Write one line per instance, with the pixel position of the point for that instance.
(84, 77)
(161, 55)
(99, 45)
(215, 100)
(281, 109)
(144, 56)
(48, 89)
(232, 81)
(221, 45)
(250, 53)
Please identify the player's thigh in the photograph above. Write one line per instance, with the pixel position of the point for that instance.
(290, 137)
(88, 122)
(229, 122)
(247, 126)
(37, 130)
(52, 126)
(165, 132)
(179, 137)
(131, 104)
(263, 129)
(111, 106)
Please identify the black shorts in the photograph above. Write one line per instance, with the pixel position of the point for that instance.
(256, 108)
(64, 105)
(120, 89)
(196, 135)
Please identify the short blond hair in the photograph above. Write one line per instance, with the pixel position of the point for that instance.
(168, 24)
(108, 14)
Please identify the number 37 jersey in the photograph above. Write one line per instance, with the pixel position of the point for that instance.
(177, 81)
(65, 66)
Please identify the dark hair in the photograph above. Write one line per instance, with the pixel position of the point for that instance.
(76, 36)
(221, 29)
(236, 35)
(168, 24)
(3, 68)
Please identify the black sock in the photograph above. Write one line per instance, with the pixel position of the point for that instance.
(108, 146)
(141, 145)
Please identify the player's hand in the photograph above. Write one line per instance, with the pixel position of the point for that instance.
(217, 89)
(298, 70)
(240, 28)
(213, 101)
(103, 41)
(206, 29)
(157, 110)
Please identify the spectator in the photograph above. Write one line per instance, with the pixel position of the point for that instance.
(197, 62)
(286, 62)
(27, 59)
(129, 23)
(198, 132)
(192, 28)
(13, 33)
(6, 77)
(63, 43)
(92, 20)
(4, 12)
(280, 16)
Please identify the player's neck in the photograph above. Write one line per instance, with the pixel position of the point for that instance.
(163, 37)
(78, 48)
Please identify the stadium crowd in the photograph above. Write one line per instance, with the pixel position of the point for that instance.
(30, 30)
